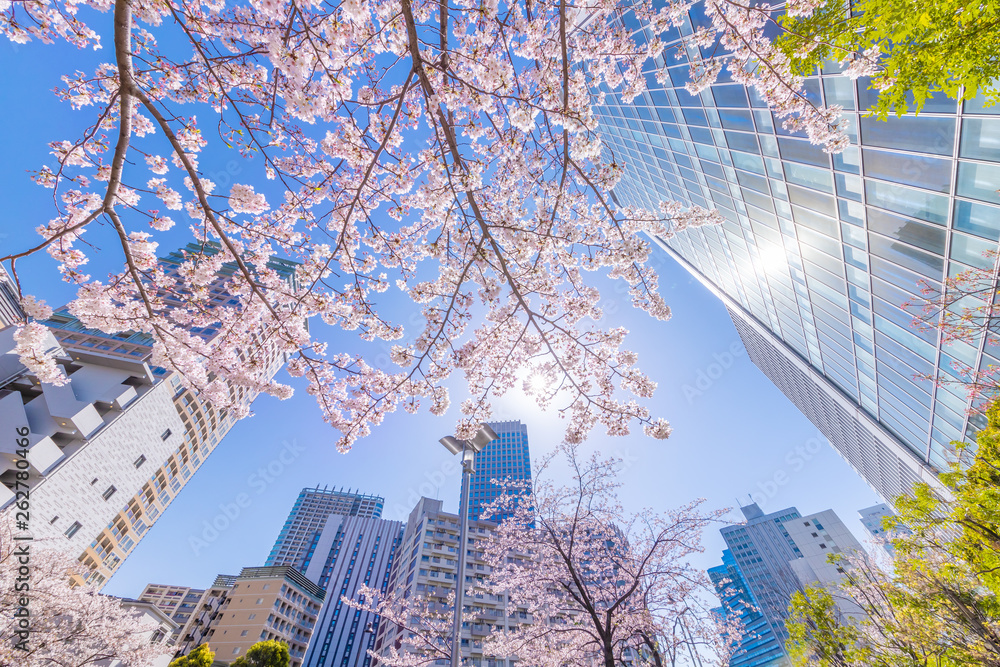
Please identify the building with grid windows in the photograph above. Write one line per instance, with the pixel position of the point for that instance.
(770, 557)
(355, 551)
(426, 567)
(759, 645)
(267, 603)
(114, 447)
(507, 457)
(303, 528)
(818, 252)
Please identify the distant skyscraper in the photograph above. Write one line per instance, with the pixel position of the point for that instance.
(351, 551)
(871, 519)
(818, 252)
(770, 557)
(759, 646)
(506, 457)
(302, 530)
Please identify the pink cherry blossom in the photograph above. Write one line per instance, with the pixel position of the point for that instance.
(451, 152)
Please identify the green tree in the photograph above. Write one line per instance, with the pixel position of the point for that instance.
(939, 602)
(270, 653)
(201, 656)
(816, 634)
(920, 47)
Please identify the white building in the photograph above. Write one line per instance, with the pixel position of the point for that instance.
(817, 536)
(88, 441)
(427, 568)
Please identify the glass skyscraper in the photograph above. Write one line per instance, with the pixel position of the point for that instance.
(818, 252)
(507, 457)
(758, 646)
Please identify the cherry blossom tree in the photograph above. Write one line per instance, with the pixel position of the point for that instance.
(597, 582)
(69, 625)
(445, 150)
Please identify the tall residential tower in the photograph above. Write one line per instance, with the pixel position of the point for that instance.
(300, 535)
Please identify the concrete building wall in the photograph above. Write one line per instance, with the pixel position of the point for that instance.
(427, 568)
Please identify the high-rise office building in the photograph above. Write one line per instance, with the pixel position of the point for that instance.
(818, 252)
(302, 530)
(110, 450)
(507, 457)
(351, 551)
(759, 645)
(770, 557)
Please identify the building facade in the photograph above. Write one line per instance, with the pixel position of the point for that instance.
(92, 445)
(426, 569)
(759, 645)
(352, 551)
(10, 305)
(769, 558)
(507, 457)
(301, 532)
(816, 537)
(820, 251)
(200, 626)
(180, 603)
(267, 603)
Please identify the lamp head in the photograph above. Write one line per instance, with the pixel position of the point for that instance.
(484, 436)
(451, 443)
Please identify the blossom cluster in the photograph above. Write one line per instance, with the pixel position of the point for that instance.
(452, 156)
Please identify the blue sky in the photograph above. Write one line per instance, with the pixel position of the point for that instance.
(734, 432)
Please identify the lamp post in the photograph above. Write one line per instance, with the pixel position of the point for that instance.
(468, 448)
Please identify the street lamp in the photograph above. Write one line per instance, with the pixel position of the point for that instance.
(468, 448)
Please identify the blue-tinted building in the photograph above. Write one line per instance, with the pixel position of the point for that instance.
(818, 252)
(351, 551)
(759, 645)
(756, 581)
(299, 537)
(507, 457)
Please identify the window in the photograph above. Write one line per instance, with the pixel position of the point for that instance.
(243, 634)
(236, 650)
(260, 600)
(110, 491)
(71, 531)
(93, 481)
(139, 461)
(251, 617)
(166, 434)
(822, 545)
(54, 519)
